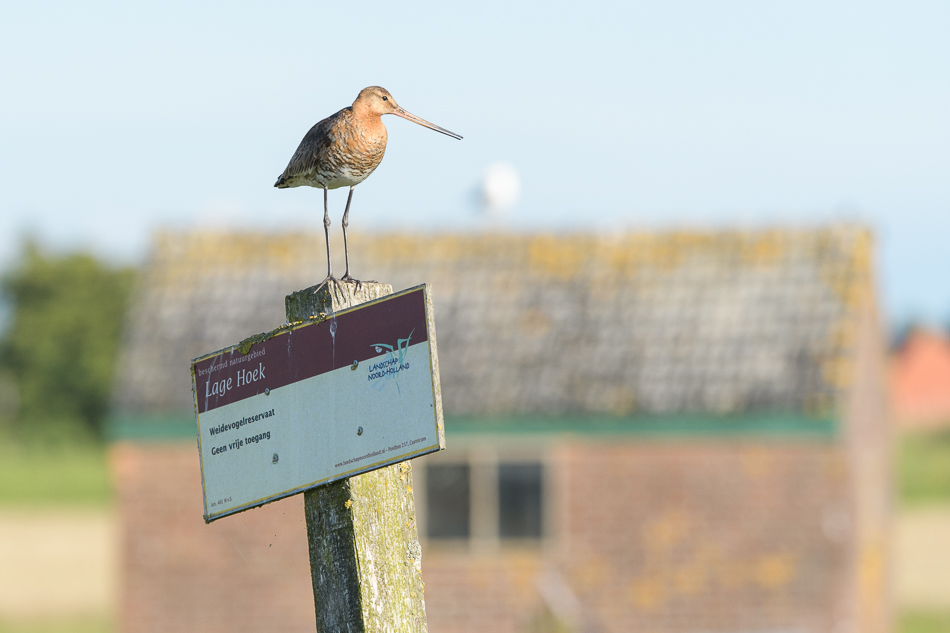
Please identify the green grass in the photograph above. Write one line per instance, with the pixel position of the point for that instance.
(923, 468)
(38, 476)
(910, 622)
(70, 625)
(924, 622)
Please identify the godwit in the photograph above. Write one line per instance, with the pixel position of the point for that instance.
(343, 150)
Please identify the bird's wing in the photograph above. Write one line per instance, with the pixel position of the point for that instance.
(313, 149)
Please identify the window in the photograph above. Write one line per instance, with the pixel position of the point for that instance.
(519, 500)
(483, 499)
(449, 501)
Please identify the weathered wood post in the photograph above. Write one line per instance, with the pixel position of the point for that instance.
(332, 404)
(365, 557)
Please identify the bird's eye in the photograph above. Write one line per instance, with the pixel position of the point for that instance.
(385, 98)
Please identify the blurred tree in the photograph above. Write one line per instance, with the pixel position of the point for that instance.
(61, 341)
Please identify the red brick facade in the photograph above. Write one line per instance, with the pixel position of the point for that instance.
(247, 573)
(648, 536)
(671, 536)
(726, 537)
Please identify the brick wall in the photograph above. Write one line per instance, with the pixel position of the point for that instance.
(480, 592)
(670, 536)
(249, 572)
(707, 537)
(647, 536)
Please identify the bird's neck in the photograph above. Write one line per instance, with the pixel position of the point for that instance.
(370, 122)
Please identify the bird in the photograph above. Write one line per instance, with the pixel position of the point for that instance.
(342, 150)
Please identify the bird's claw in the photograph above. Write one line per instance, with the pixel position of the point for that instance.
(337, 288)
(359, 283)
(349, 280)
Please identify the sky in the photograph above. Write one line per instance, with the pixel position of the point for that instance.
(120, 118)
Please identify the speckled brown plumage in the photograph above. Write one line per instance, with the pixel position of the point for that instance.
(339, 151)
(342, 150)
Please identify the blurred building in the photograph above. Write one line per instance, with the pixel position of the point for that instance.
(920, 381)
(646, 432)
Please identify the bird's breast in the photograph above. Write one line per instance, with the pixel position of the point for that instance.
(355, 155)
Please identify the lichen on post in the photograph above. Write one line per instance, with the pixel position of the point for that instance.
(365, 557)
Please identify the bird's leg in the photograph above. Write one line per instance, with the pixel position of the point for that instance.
(326, 229)
(346, 248)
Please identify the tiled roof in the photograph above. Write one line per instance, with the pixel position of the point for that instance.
(727, 322)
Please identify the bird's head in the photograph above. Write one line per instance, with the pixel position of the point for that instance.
(377, 101)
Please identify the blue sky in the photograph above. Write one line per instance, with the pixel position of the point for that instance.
(118, 118)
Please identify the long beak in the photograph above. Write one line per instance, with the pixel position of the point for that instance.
(424, 123)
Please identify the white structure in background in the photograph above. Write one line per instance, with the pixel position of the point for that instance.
(500, 188)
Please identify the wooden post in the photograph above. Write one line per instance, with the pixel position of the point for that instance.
(365, 557)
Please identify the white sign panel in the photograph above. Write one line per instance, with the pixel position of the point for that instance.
(318, 402)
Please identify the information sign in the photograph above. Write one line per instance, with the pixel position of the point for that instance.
(316, 402)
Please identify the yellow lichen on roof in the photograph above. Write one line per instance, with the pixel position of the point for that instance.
(563, 259)
(763, 249)
(851, 280)
(850, 277)
(234, 251)
(560, 257)
(684, 321)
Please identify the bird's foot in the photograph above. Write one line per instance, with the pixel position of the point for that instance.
(349, 280)
(359, 283)
(333, 285)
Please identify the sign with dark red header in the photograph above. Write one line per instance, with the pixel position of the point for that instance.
(316, 402)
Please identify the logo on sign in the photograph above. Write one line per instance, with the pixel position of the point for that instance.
(381, 372)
